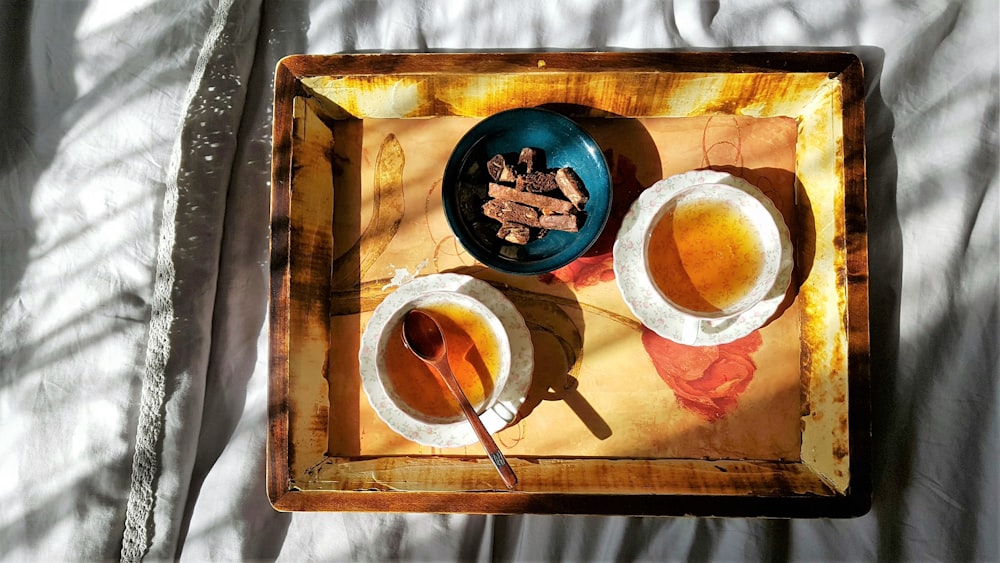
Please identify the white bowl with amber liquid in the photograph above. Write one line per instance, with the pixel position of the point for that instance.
(489, 350)
(703, 258)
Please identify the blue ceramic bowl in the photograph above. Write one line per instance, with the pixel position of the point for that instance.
(465, 180)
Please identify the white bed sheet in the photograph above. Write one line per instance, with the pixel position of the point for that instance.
(134, 168)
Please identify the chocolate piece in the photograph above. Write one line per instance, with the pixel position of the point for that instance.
(495, 166)
(536, 183)
(530, 159)
(571, 186)
(545, 203)
(500, 170)
(515, 199)
(511, 212)
(559, 222)
(515, 233)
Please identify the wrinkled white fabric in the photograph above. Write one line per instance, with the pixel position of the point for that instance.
(134, 193)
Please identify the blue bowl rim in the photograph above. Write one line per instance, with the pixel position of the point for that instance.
(546, 264)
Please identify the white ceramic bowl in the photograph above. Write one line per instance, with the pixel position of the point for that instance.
(516, 358)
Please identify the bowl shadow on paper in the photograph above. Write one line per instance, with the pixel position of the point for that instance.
(555, 322)
(556, 375)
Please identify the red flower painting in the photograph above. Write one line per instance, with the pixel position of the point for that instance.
(584, 272)
(706, 379)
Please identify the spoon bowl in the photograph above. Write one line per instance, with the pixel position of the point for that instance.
(423, 336)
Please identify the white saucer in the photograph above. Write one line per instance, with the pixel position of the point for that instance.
(642, 297)
(508, 399)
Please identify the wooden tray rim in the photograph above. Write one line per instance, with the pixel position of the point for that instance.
(845, 67)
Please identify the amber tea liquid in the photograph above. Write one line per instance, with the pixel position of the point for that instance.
(473, 353)
(705, 255)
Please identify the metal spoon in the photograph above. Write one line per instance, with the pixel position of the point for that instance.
(422, 335)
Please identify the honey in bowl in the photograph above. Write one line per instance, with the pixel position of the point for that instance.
(705, 255)
(473, 353)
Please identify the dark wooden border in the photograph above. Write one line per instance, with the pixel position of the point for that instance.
(285, 85)
(859, 497)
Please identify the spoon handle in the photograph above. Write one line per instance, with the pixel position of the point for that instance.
(494, 453)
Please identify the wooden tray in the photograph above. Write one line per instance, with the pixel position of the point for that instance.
(776, 424)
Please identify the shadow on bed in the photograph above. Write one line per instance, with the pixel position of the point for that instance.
(17, 139)
(892, 448)
(27, 146)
